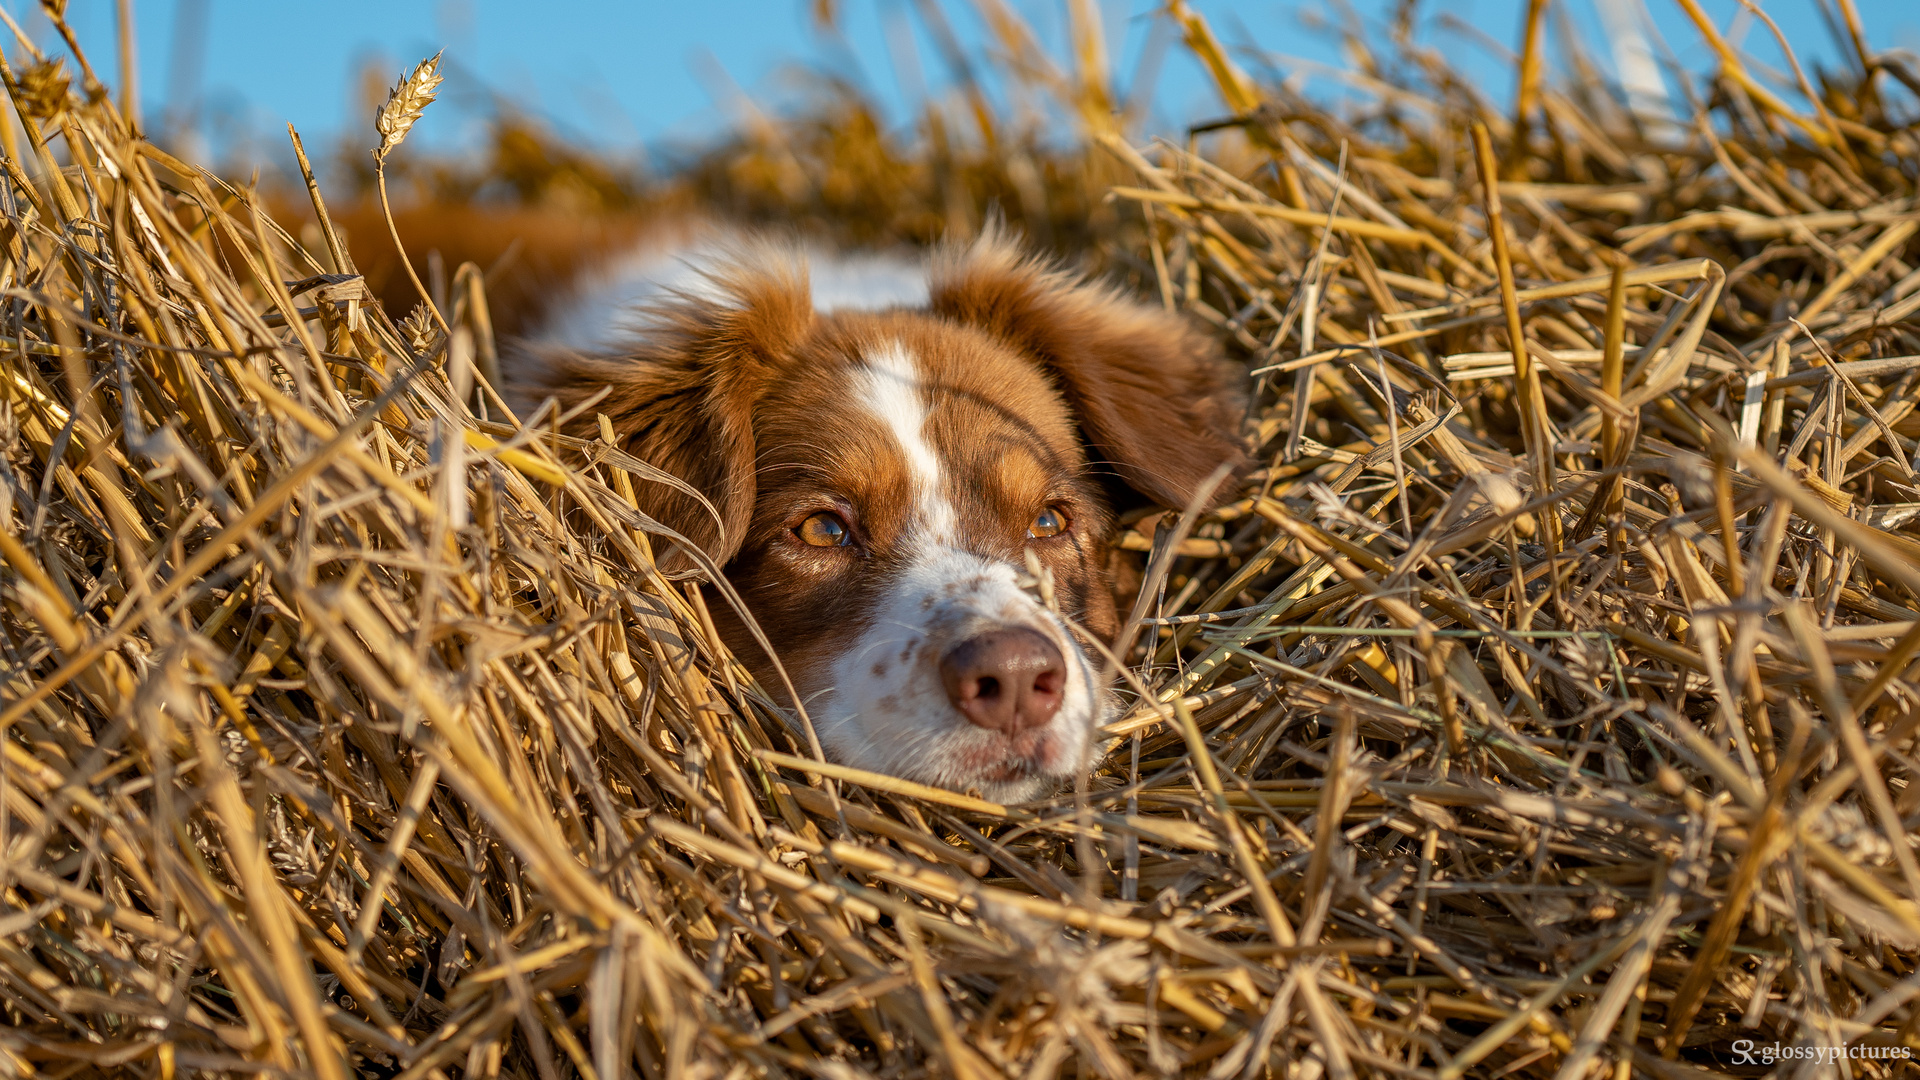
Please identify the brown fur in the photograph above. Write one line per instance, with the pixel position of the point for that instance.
(531, 255)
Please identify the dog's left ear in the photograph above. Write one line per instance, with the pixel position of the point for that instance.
(1156, 400)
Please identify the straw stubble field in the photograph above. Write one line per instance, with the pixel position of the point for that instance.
(1545, 706)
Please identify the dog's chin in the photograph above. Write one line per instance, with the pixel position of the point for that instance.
(1006, 769)
(1025, 788)
(937, 746)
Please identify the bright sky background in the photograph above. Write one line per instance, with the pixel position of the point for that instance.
(654, 74)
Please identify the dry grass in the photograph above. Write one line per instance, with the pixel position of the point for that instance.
(1537, 711)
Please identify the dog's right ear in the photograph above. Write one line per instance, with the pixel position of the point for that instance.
(683, 399)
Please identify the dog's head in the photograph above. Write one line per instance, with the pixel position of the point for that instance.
(882, 477)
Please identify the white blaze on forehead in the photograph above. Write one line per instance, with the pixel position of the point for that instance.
(888, 384)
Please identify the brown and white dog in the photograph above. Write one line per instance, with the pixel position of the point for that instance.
(881, 476)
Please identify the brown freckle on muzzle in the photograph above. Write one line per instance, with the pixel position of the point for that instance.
(880, 669)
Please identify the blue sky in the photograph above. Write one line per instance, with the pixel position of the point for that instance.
(647, 73)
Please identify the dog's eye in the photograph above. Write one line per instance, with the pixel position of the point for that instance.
(824, 529)
(1051, 522)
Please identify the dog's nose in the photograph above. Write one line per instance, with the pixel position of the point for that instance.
(1005, 680)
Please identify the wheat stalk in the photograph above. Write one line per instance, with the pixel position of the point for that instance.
(410, 97)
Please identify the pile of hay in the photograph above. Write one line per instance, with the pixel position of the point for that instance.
(1542, 711)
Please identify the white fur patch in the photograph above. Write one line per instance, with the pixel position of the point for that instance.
(888, 384)
(605, 309)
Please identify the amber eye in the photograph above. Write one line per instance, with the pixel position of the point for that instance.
(824, 529)
(1051, 522)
